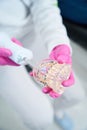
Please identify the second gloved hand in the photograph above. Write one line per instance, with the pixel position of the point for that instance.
(61, 54)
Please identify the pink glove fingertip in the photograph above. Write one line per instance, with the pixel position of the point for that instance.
(70, 81)
(16, 41)
(46, 89)
(5, 52)
(54, 94)
(31, 74)
(7, 61)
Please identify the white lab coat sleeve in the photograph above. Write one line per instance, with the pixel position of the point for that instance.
(48, 21)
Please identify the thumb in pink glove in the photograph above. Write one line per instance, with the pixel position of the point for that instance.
(6, 53)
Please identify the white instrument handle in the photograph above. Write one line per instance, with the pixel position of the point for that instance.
(20, 55)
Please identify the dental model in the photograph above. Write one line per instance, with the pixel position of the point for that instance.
(50, 73)
(20, 55)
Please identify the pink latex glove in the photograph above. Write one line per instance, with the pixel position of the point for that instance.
(5, 53)
(62, 54)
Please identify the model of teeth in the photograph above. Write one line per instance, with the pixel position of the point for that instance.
(50, 73)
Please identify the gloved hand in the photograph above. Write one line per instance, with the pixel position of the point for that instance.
(6, 53)
(61, 54)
